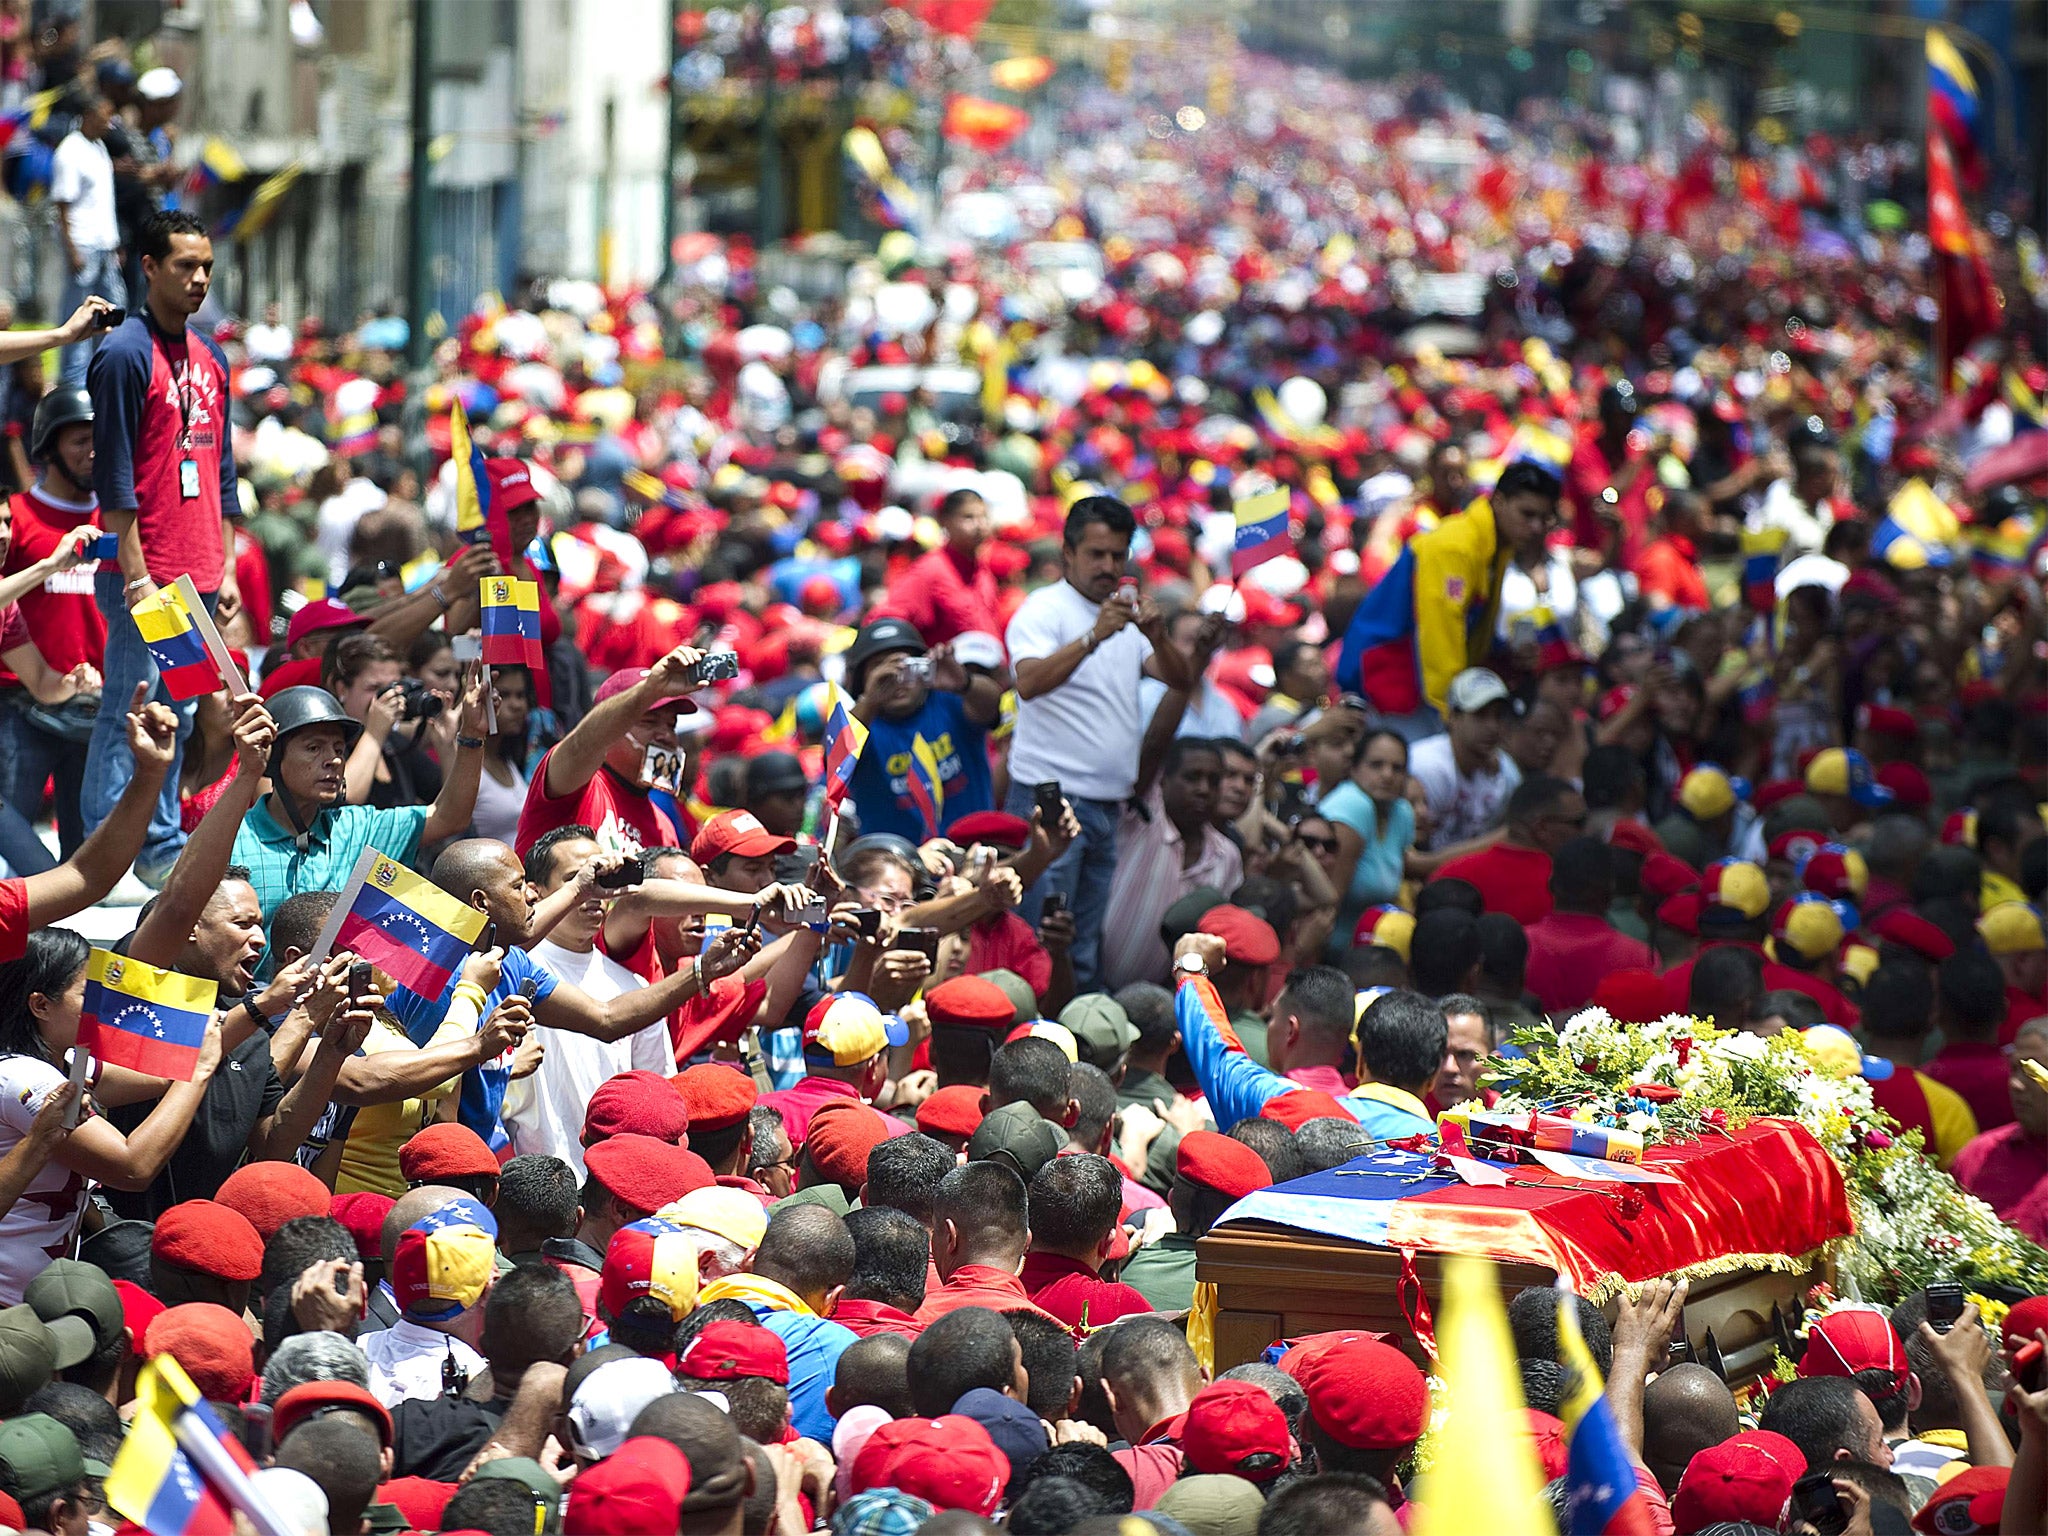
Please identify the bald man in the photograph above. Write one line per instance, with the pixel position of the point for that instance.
(1685, 1410)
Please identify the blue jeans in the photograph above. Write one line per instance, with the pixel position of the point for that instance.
(34, 758)
(1081, 874)
(109, 765)
(102, 276)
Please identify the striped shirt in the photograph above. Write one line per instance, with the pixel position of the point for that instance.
(1152, 873)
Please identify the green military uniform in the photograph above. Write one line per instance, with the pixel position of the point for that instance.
(1139, 1089)
(1251, 1029)
(1164, 1272)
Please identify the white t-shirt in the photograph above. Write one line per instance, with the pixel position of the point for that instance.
(82, 178)
(1459, 806)
(39, 1226)
(544, 1112)
(1086, 732)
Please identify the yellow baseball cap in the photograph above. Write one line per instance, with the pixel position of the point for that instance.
(1736, 885)
(1812, 925)
(732, 1214)
(1389, 927)
(2012, 928)
(1859, 963)
(1707, 792)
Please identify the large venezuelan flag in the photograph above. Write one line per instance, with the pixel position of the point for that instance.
(409, 928)
(1953, 105)
(143, 1018)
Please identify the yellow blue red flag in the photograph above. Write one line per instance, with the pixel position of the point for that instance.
(143, 1018)
(845, 736)
(511, 622)
(1261, 530)
(407, 926)
(179, 1472)
(176, 646)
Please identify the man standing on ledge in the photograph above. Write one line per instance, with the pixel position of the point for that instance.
(164, 468)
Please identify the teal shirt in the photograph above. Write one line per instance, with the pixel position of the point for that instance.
(278, 867)
(1376, 877)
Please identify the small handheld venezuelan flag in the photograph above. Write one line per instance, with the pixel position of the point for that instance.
(406, 926)
(511, 622)
(179, 1472)
(176, 646)
(844, 738)
(1603, 1498)
(146, 1019)
(1261, 530)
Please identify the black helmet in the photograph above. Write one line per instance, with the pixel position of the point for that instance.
(296, 708)
(59, 408)
(884, 637)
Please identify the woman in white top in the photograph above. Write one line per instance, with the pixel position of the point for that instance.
(501, 792)
(41, 997)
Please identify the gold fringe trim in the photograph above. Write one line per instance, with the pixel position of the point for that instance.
(1611, 1285)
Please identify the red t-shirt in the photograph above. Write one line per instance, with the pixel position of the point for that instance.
(1834, 1007)
(1570, 951)
(1511, 880)
(868, 1318)
(2008, 1170)
(608, 803)
(979, 1285)
(943, 599)
(1979, 1073)
(1076, 1294)
(13, 919)
(2019, 1008)
(1592, 472)
(1669, 568)
(67, 624)
(1005, 942)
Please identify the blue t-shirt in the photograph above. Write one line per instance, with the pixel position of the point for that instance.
(1377, 876)
(483, 1088)
(959, 746)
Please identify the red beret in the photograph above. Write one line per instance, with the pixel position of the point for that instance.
(1363, 1394)
(1634, 996)
(1633, 836)
(1909, 786)
(952, 1111)
(1216, 1162)
(1909, 930)
(212, 1239)
(715, 1097)
(949, 1462)
(446, 1151)
(363, 1211)
(1682, 912)
(1296, 1107)
(968, 1002)
(1885, 720)
(729, 1348)
(211, 1343)
(642, 1103)
(271, 1194)
(1236, 1428)
(1666, 874)
(295, 1405)
(1746, 1478)
(997, 827)
(1797, 845)
(1247, 940)
(420, 1499)
(644, 1174)
(840, 1137)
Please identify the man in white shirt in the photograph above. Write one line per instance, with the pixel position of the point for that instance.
(1079, 649)
(1464, 774)
(82, 196)
(439, 1251)
(544, 1112)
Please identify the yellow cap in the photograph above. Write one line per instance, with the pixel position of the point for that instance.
(1706, 793)
(2012, 928)
(732, 1214)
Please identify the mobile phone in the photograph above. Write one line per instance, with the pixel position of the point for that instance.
(528, 987)
(753, 922)
(923, 941)
(870, 921)
(1681, 1346)
(359, 979)
(1815, 1501)
(107, 320)
(1127, 591)
(2026, 1366)
(1944, 1305)
(717, 667)
(1051, 803)
(256, 1430)
(1054, 902)
(627, 874)
(467, 647)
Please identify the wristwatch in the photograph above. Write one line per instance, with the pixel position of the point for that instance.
(1190, 965)
(474, 743)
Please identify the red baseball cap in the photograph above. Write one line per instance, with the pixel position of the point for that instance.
(1235, 1427)
(950, 1462)
(1851, 1340)
(633, 677)
(729, 1349)
(511, 483)
(740, 833)
(1909, 930)
(1747, 1477)
(1968, 1503)
(321, 614)
(639, 1487)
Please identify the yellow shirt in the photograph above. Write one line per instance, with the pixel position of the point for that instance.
(1954, 1124)
(369, 1159)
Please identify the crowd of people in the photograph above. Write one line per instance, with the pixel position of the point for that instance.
(922, 887)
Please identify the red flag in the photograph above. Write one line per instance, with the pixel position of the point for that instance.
(1969, 301)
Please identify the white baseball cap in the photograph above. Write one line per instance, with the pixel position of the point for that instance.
(1473, 689)
(159, 84)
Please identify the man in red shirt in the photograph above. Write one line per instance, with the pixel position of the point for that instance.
(1611, 485)
(1572, 948)
(891, 1252)
(1668, 569)
(606, 773)
(1513, 876)
(845, 1044)
(979, 1235)
(2007, 1167)
(1075, 1206)
(1969, 1007)
(164, 469)
(1734, 898)
(951, 591)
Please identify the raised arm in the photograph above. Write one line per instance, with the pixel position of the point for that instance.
(197, 874)
(1236, 1086)
(575, 759)
(456, 804)
(132, 1162)
(16, 345)
(107, 855)
(571, 1008)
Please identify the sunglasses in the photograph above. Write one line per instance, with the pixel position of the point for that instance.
(1317, 844)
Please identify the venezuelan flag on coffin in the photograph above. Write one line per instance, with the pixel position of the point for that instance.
(143, 1018)
(409, 928)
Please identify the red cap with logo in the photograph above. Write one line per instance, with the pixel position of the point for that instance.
(1746, 1478)
(1235, 1427)
(512, 486)
(739, 833)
